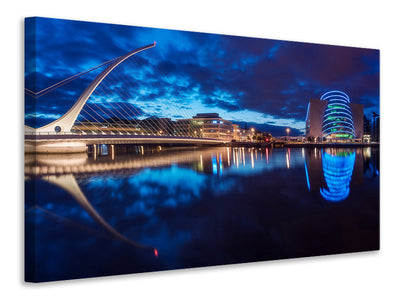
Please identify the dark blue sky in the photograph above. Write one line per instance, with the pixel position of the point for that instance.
(266, 83)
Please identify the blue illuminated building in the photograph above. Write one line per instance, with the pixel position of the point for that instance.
(334, 118)
(338, 119)
(337, 165)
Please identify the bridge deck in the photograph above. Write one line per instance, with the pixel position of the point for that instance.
(91, 139)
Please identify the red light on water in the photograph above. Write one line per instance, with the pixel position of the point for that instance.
(155, 252)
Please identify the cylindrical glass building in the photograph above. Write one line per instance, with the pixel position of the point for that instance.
(338, 120)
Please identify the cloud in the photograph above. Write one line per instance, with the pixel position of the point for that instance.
(189, 72)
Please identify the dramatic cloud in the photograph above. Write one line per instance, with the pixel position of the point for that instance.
(263, 82)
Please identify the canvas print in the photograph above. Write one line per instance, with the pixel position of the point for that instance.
(151, 149)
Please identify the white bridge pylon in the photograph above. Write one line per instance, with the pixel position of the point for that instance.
(66, 121)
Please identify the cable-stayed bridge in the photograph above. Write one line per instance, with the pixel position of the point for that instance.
(110, 118)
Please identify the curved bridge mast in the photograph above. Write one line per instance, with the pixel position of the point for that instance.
(65, 122)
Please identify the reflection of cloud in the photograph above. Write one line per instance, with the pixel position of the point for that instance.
(184, 187)
(166, 188)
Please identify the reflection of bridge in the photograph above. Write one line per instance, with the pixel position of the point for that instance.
(57, 143)
(69, 184)
(59, 136)
(66, 170)
(79, 163)
(131, 159)
(62, 170)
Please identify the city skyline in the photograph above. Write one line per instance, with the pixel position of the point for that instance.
(266, 83)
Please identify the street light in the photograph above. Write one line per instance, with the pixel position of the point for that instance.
(287, 131)
(253, 136)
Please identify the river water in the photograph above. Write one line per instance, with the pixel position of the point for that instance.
(121, 210)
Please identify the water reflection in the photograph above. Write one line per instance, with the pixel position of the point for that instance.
(337, 165)
(69, 184)
(328, 170)
(213, 161)
(332, 171)
(196, 207)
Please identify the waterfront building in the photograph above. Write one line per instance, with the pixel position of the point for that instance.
(375, 127)
(183, 127)
(241, 135)
(333, 117)
(109, 126)
(211, 125)
(152, 125)
(157, 126)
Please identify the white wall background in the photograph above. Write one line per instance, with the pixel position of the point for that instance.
(371, 24)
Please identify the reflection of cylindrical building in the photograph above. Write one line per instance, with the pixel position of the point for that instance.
(338, 119)
(338, 167)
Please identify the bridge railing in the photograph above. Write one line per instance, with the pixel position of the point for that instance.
(52, 133)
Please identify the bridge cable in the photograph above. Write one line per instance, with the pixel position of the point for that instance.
(161, 103)
(160, 71)
(91, 122)
(125, 99)
(101, 117)
(126, 115)
(181, 112)
(99, 108)
(171, 107)
(148, 121)
(65, 81)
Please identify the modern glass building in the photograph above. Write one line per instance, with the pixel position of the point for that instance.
(333, 117)
(207, 125)
(213, 126)
(337, 122)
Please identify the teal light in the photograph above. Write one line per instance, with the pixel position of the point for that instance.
(338, 119)
(338, 169)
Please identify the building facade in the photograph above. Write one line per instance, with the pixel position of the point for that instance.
(375, 127)
(211, 125)
(241, 135)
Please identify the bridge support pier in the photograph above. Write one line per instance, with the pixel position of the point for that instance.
(94, 151)
(112, 152)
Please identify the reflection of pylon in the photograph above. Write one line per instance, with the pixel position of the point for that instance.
(69, 184)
